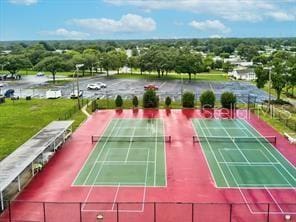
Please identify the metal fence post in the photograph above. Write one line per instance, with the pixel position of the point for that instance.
(230, 213)
(268, 211)
(80, 211)
(154, 208)
(9, 211)
(44, 214)
(192, 212)
(117, 212)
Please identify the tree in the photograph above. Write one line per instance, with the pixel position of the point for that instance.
(16, 62)
(227, 67)
(118, 101)
(106, 62)
(207, 99)
(168, 101)
(228, 100)
(150, 99)
(53, 64)
(278, 78)
(135, 101)
(188, 100)
(261, 76)
(132, 63)
(188, 63)
(90, 57)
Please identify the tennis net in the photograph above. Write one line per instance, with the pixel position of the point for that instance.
(166, 139)
(219, 139)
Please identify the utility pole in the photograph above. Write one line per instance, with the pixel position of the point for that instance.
(77, 82)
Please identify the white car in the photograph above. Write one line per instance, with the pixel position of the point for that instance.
(75, 94)
(1, 84)
(53, 94)
(39, 74)
(93, 86)
(103, 85)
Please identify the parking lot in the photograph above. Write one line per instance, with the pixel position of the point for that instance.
(36, 87)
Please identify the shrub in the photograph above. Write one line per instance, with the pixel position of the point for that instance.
(188, 99)
(135, 101)
(207, 99)
(168, 101)
(118, 101)
(150, 99)
(228, 100)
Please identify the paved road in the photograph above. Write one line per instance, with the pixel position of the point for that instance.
(35, 86)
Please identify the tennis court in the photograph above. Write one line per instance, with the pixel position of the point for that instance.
(131, 152)
(239, 157)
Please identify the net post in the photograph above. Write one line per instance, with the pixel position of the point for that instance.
(9, 211)
(80, 211)
(268, 211)
(230, 212)
(117, 212)
(154, 211)
(44, 213)
(192, 212)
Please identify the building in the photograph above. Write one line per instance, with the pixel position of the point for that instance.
(243, 74)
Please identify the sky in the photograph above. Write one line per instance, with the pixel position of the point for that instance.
(145, 19)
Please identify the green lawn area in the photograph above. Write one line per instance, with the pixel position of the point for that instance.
(277, 124)
(20, 120)
(211, 76)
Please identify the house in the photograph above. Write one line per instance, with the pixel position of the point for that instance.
(243, 74)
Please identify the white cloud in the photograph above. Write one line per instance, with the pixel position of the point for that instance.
(129, 23)
(210, 25)
(216, 36)
(234, 10)
(66, 34)
(281, 16)
(23, 2)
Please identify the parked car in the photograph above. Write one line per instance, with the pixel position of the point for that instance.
(75, 94)
(1, 84)
(3, 76)
(9, 93)
(53, 94)
(102, 85)
(93, 86)
(151, 87)
(39, 74)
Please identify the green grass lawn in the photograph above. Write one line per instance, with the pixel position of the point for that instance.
(277, 124)
(20, 120)
(211, 76)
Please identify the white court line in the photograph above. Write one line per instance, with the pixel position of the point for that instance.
(248, 164)
(90, 154)
(155, 153)
(130, 145)
(213, 153)
(99, 155)
(263, 145)
(235, 144)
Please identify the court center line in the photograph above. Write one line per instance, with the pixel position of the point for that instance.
(213, 153)
(270, 151)
(236, 145)
(101, 151)
(130, 145)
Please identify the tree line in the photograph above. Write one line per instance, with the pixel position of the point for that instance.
(160, 59)
(280, 69)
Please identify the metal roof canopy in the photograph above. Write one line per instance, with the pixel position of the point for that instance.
(14, 164)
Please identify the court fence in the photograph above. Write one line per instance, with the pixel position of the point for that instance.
(282, 115)
(146, 212)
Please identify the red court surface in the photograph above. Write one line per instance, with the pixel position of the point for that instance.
(188, 181)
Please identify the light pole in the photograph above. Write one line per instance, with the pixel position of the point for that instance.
(77, 82)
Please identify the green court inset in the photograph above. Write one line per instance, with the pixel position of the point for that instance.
(240, 157)
(121, 159)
